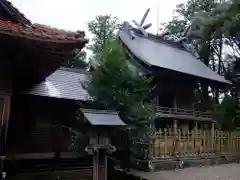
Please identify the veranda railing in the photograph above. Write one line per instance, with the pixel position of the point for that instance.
(184, 112)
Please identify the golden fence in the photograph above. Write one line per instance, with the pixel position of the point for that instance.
(163, 144)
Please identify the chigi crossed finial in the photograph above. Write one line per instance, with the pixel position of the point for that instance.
(166, 36)
(141, 25)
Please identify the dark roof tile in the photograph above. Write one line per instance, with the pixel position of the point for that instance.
(167, 55)
(63, 84)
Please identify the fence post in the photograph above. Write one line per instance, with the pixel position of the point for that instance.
(165, 142)
(151, 147)
(212, 138)
(229, 142)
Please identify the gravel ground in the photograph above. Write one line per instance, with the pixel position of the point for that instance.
(220, 172)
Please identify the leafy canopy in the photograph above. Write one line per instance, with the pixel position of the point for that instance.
(103, 27)
(215, 33)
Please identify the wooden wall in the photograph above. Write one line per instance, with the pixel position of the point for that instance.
(179, 92)
(36, 124)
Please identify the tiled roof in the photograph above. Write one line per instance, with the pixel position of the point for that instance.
(164, 55)
(63, 84)
(40, 32)
(14, 12)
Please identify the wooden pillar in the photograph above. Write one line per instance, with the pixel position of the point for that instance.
(99, 147)
(5, 113)
(95, 165)
(175, 102)
(213, 129)
(175, 127)
(196, 126)
(102, 165)
(99, 164)
(5, 100)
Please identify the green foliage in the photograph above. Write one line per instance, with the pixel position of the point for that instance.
(175, 26)
(103, 27)
(215, 25)
(78, 61)
(114, 85)
(226, 113)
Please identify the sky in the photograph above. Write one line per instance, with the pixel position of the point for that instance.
(74, 14)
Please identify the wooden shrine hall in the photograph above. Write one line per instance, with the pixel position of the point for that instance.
(29, 53)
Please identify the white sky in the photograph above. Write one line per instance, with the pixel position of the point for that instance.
(74, 14)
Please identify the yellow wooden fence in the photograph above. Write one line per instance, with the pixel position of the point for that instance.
(196, 143)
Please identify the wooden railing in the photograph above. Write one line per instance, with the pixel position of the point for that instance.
(184, 112)
(164, 144)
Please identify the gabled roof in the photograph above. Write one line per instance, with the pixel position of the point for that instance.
(63, 83)
(102, 117)
(156, 52)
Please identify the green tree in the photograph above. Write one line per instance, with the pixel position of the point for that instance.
(114, 85)
(103, 27)
(226, 113)
(215, 26)
(223, 24)
(205, 33)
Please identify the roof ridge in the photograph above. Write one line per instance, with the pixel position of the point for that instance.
(160, 39)
(180, 44)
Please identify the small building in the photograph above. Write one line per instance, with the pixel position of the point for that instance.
(176, 71)
(182, 130)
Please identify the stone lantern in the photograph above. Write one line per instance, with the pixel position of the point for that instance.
(103, 122)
